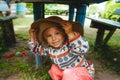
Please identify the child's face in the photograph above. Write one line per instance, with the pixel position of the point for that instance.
(54, 37)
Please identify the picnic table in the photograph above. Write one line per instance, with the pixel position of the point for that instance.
(102, 25)
(80, 5)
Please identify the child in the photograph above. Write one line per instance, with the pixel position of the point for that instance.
(65, 50)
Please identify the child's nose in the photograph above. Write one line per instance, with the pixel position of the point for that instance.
(53, 38)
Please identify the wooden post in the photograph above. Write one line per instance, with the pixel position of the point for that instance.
(71, 13)
(80, 14)
(38, 10)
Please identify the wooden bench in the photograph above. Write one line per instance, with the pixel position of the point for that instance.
(7, 30)
(102, 25)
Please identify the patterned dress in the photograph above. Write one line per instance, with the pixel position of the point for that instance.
(70, 54)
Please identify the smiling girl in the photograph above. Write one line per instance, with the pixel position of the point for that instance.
(66, 52)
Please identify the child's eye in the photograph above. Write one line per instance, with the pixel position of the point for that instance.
(48, 35)
(57, 32)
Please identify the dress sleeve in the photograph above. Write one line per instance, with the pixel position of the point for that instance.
(36, 48)
(79, 45)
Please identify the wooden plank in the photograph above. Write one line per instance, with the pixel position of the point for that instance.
(52, 1)
(107, 22)
(97, 25)
(4, 18)
(67, 1)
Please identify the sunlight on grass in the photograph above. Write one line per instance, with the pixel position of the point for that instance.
(22, 25)
(23, 22)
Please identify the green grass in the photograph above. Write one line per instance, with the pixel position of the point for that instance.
(28, 72)
(108, 54)
(21, 26)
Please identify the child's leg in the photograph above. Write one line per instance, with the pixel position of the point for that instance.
(55, 72)
(79, 73)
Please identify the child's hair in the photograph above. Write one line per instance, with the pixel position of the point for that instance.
(44, 25)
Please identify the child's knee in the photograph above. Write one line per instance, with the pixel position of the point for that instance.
(49, 71)
(67, 72)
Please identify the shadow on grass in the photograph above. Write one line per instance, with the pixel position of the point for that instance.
(110, 57)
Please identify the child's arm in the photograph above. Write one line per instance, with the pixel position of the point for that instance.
(80, 46)
(32, 43)
(34, 46)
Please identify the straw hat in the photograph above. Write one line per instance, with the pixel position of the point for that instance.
(41, 25)
(76, 26)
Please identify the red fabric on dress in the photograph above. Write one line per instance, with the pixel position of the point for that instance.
(77, 73)
(55, 72)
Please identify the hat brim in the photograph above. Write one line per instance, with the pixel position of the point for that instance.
(76, 26)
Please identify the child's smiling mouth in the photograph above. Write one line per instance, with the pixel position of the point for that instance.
(56, 43)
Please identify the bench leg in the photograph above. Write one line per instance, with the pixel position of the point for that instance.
(8, 32)
(99, 38)
(108, 36)
(38, 59)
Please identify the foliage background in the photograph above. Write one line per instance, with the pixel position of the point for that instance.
(108, 13)
(111, 6)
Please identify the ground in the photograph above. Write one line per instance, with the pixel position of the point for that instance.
(101, 73)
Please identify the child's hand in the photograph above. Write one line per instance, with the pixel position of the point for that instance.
(68, 29)
(32, 35)
(67, 26)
